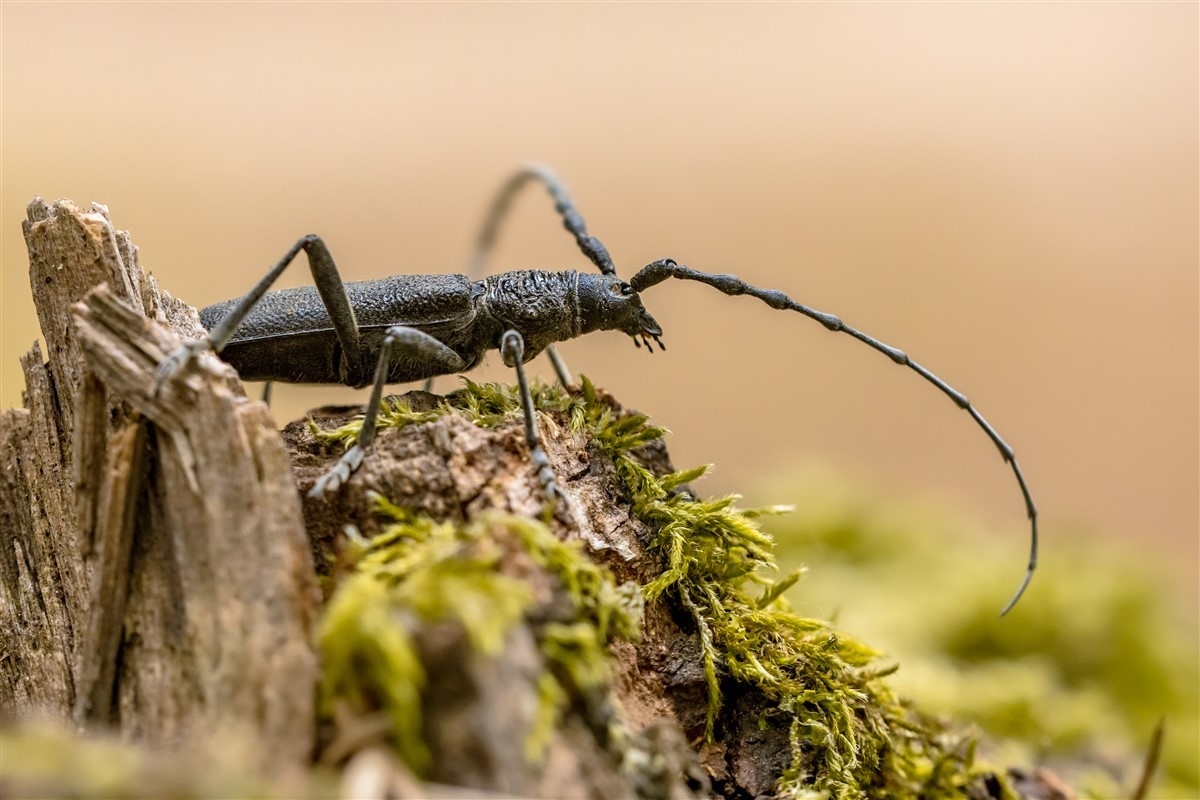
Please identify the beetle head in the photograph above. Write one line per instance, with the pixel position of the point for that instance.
(607, 303)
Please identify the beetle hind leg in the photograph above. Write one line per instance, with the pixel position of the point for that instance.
(414, 341)
(329, 286)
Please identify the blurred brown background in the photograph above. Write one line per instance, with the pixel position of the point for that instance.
(1006, 191)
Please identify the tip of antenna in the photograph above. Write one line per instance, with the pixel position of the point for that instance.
(1020, 591)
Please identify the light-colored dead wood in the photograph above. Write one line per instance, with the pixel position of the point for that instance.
(113, 545)
(191, 563)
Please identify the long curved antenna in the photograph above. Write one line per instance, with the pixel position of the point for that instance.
(592, 247)
(563, 204)
(659, 271)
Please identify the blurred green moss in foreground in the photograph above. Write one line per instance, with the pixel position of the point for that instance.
(1074, 678)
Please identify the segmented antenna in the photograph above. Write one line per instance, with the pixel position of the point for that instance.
(659, 271)
(563, 204)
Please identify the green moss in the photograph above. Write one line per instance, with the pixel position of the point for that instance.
(45, 758)
(850, 736)
(577, 652)
(420, 570)
(370, 661)
(416, 569)
(551, 700)
(1077, 674)
(613, 611)
(394, 413)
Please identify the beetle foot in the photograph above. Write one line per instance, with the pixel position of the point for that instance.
(337, 477)
(546, 478)
(550, 486)
(177, 361)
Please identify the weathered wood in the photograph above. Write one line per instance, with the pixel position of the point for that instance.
(45, 578)
(91, 434)
(119, 494)
(45, 568)
(205, 550)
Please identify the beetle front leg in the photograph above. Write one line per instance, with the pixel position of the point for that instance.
(512, 348)
(413, 340)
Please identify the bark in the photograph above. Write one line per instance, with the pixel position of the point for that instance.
(454, 470)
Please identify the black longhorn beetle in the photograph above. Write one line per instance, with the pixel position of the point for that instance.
(414, 327)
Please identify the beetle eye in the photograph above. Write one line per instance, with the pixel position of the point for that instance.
(621, 289)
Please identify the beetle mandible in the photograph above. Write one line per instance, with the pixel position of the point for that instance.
(415, 327)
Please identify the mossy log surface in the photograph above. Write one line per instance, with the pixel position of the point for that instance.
(163, 575)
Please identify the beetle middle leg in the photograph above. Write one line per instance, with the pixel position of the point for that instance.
(512, 349)
(417, 343)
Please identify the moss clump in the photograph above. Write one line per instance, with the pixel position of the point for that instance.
(418, 570)
(45, 758)
(849, 735)
(394, 413)
(1076, 676)
(486, 404)
(612, 610)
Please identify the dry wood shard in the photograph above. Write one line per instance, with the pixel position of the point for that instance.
(198, 570)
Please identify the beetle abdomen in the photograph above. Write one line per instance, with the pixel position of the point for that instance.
(414, 300)
(289, 336)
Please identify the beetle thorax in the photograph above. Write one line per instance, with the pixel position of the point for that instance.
(542, 306)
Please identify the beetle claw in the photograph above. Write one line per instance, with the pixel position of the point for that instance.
(177, 361)
(339, 475)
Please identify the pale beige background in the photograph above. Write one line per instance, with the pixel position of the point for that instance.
(1007, 191)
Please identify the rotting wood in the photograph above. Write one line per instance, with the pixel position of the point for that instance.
(221, 597)
(125, 472)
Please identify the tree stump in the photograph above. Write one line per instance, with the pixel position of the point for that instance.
(156, 572)
(158, 560)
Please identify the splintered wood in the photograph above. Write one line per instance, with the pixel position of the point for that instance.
(163, 526)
